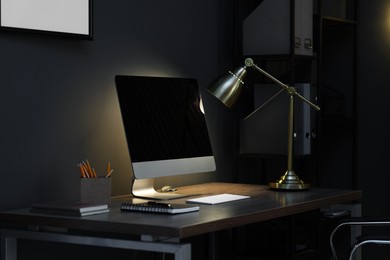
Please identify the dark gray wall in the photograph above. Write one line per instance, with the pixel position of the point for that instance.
(373, 104)
(373, 108)
(58, 99)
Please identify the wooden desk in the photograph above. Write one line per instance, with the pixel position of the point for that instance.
(147, 231)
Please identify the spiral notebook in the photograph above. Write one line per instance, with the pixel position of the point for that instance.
(156, 207)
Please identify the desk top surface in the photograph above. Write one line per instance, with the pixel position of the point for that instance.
(264, 204)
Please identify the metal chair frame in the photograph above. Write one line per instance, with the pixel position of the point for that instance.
(362, 240)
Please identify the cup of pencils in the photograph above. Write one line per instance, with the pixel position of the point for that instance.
(94, 188)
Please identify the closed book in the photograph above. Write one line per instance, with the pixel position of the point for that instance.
(155, 207)
(73, 208)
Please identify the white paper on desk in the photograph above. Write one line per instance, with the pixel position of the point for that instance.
(217, 199)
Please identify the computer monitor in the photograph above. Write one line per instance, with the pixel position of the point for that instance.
(165, 129)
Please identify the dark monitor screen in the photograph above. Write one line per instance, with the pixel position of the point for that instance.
(165, 127)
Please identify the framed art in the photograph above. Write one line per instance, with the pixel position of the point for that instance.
(71, 18)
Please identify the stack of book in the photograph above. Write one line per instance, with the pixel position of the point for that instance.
(70, 208)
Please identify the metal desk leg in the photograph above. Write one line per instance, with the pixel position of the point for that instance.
(8, 247)
(9, 243)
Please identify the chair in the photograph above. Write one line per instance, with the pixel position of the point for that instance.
(361, 240)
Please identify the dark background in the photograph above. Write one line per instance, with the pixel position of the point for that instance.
(59, 105)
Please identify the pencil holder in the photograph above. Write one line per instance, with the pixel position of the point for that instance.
(95, 190)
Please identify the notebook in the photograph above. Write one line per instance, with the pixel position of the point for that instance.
(217, 199)
(156, 207)
(73, 208)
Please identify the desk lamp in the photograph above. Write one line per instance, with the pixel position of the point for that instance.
(227, 90)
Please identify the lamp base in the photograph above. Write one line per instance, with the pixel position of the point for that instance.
(289, 181)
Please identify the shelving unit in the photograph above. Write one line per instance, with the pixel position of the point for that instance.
(338, 84)
(292, 65)
(329, 68)
(272, 239)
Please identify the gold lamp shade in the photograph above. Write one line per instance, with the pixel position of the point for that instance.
(228, 87)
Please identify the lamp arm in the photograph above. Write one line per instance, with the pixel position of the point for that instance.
(291, 90)
(263, 105)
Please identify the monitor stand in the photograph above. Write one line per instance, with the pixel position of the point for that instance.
(144, 188)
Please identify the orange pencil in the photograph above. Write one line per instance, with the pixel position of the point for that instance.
(109, 173)
(85, 168)
(108, 167)
(89, 167)
(82, 171)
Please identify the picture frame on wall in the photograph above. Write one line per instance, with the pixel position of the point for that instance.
(68, 18)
